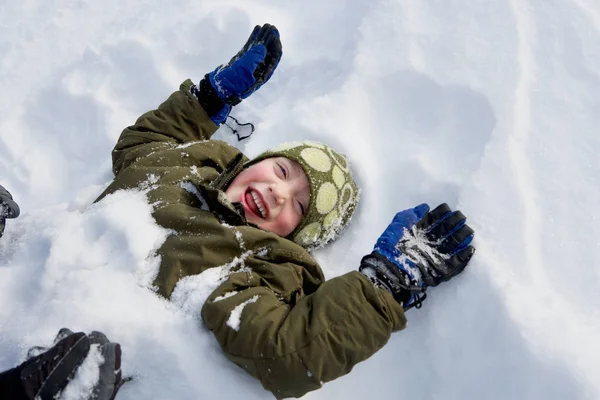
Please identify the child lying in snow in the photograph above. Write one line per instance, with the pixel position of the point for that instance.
(273, 313)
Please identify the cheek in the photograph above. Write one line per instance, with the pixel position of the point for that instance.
(287, 221)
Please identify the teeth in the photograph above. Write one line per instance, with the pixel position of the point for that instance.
(258, 204)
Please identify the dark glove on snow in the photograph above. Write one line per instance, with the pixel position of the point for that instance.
(49, 371)
(46, 375)
(419, 249)
(8, 208)
(244, 74)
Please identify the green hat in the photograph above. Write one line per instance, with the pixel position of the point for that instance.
(333, 192)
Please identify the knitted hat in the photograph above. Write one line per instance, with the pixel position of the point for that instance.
(333, 192)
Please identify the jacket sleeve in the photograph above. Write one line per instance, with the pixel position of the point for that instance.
(178, 120)
(293, 347)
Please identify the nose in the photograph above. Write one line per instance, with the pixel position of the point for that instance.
(280, 192)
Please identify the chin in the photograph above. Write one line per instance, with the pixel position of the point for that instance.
(262, 226)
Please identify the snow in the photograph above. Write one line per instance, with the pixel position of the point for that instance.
(489, 106)
(415, 248)
(235, 317)
(189, 187)
(188, 144)
(225, 296)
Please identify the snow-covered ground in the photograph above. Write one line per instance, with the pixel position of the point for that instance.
(491, 106)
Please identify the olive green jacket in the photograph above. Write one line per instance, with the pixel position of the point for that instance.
(295, 331)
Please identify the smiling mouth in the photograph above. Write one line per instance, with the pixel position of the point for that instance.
(255, 203)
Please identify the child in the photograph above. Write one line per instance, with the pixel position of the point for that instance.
(273, 313)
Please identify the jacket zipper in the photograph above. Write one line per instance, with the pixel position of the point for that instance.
(227, 176)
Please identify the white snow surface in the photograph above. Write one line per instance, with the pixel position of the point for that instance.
(490, 106)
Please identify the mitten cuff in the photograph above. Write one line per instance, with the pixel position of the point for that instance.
(207, 96)
(388, 276)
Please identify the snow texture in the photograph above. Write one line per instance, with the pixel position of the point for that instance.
(489, 106)
(416, 249)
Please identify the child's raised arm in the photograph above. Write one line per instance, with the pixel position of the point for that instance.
(194, 112)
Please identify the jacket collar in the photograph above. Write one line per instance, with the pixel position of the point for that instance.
(233, 168)
(214, 193)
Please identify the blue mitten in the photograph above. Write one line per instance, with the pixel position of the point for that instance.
(418, 249)
(244, 74)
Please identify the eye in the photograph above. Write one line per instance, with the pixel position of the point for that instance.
(302, 209)
(283, 171)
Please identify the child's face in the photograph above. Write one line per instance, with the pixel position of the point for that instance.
(274, 192)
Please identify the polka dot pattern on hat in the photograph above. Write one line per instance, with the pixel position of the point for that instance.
(316, 158)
